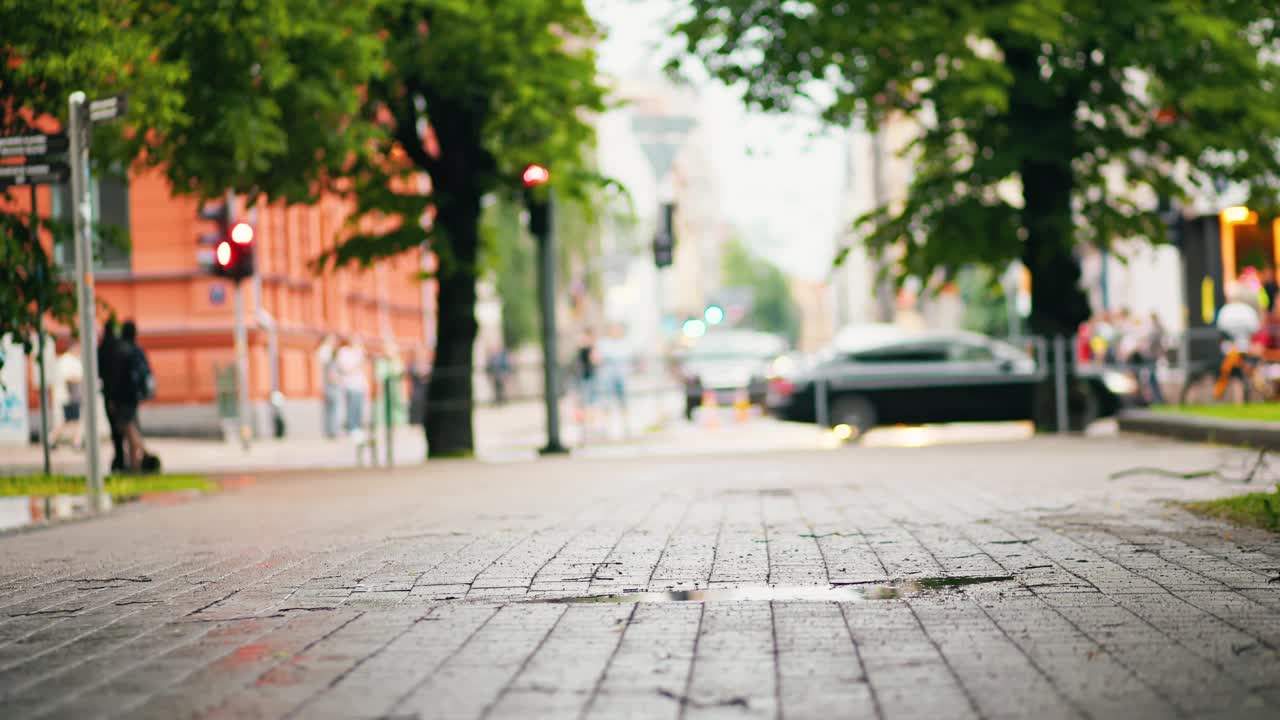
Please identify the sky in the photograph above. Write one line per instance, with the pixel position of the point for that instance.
(779, 183)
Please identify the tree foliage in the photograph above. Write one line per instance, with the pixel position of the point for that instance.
(472, 93)
(252, 96)
(1042, 122)
(773, 309)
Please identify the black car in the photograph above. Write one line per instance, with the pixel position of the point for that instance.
(887, 375)
(728, 364)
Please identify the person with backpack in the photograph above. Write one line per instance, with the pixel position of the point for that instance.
(133, 384)
(107, 351)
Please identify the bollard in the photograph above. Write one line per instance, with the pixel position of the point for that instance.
(1060, 381)
(821, 411)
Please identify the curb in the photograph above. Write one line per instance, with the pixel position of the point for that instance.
(1245, 433)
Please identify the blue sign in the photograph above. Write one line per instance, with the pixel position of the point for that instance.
(217, 294)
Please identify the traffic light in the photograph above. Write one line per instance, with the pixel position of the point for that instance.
(539, 208)
(232, 243)
(233, 257)
(219, 213)
(664, 242)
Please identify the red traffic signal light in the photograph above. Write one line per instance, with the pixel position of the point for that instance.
(242, 233)
(535, 175)
(233, 256)
(232, 242)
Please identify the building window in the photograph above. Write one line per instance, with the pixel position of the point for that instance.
(111, 236)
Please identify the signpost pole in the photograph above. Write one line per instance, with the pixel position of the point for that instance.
(44, 384)
(82, 214)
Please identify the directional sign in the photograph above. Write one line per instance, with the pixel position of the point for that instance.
(29, 145)
(108, 108)
(42, 174)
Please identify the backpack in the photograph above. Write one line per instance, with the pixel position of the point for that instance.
(142, 380)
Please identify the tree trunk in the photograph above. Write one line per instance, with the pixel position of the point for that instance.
(449, 393)
(1043, 123)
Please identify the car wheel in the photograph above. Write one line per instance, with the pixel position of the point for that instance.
(855, 411)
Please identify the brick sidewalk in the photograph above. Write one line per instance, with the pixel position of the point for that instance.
(408, 593)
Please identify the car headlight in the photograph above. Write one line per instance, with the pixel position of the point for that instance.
(1119, 383)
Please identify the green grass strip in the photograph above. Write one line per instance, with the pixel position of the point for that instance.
(1259, 509)
(1256, 412)
(119, 486)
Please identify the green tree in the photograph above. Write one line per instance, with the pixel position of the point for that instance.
(1044, 97)
(509, 255)
(773, 309)
(474, 91)
(985, 302)
(258, 97)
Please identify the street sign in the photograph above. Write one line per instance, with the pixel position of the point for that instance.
(32, 145)
(40, 174)
(661, 137)
(108, 108)
(217, 294)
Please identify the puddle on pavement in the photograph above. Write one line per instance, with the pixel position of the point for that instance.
(811, 593)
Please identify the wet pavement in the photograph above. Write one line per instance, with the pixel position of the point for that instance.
(1001, 579)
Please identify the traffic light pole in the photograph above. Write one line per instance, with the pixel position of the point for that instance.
(547, 299)
(243, 427)
(242, 367)
(82, 216)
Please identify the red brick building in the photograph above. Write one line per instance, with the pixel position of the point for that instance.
(185, 316)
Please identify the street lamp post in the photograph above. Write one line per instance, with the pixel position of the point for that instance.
(540, 225)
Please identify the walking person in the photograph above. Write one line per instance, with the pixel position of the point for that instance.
(67, 391)
(330, 378)
(355, 386)
(498, 366)
(419, 371)
(107, 359)
(614, 366)
(134, 384)
(585, 368)
(1155, 349)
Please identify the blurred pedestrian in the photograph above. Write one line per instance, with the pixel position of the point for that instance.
(331, 380)
(68, 396)
(498, 366)
(615, 359)
(585, 371)
(108, 356)
(1155, 350)
(134, 384)
(1239, 320)
(419, 370)
(355, 385)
